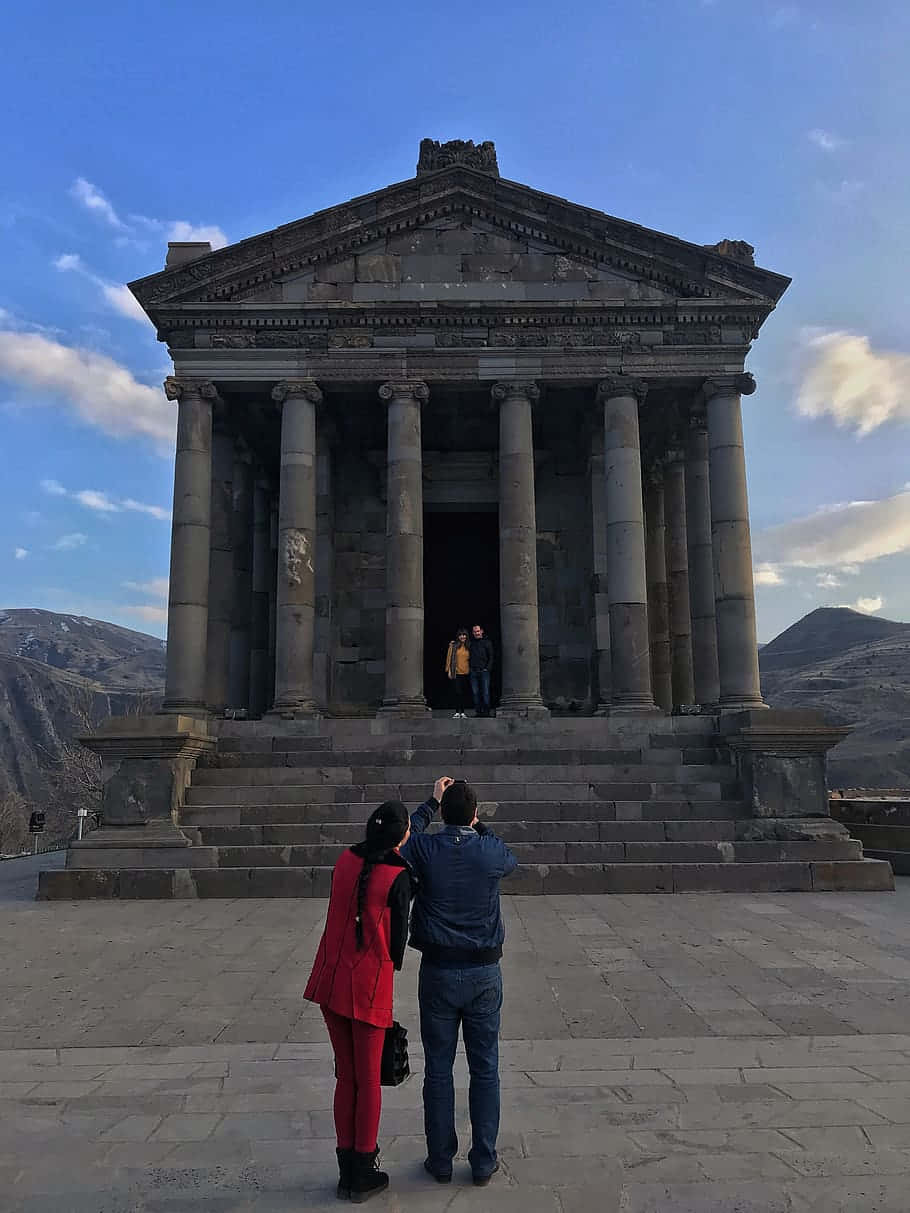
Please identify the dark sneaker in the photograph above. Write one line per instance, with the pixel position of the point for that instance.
(445, 1178)
(481, 1181)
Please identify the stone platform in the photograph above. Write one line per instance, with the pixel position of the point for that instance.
(706, 1054)
(646, 805)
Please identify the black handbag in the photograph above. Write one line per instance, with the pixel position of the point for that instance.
(395, 1067)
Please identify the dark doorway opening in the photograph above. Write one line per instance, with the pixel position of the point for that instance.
(461, 588)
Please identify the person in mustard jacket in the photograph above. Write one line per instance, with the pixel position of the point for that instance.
(458, 669)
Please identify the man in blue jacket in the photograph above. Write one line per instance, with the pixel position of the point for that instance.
(456, 923)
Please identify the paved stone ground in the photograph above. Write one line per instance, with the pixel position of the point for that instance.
(693, 1054)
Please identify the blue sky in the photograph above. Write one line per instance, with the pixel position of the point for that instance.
(781, 124)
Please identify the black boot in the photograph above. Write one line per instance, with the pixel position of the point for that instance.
(345, 1171)
(366, 1178)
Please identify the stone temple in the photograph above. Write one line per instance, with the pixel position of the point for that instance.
(459, 400)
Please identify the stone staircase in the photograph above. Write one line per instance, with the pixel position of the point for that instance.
(589, 805)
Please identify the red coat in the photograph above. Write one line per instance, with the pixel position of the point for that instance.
(356, 983)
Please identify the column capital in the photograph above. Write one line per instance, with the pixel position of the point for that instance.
(622, 385)
(177, 387)
(509, 388)
(697, 419)
(414, 389)
(308, 388)
(729, 385)
(673, 454)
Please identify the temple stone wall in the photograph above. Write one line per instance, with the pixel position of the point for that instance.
(564, 578)
(359, 591)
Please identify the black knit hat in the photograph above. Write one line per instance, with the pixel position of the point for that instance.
(386, 827)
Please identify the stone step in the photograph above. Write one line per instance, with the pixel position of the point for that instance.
(567, 853)
(872, 812)
(511, 832)
(238, 813)
(882, 837)
(476, 774)
(561, 879)
(472, 756)
(899, 860)
(414, 794)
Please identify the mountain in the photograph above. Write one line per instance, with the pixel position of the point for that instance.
(61, 676)
(857, 668)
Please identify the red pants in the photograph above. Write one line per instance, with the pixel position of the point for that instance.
(358, 1095)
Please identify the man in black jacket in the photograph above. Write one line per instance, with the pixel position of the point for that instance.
(457, 925)
(481, 669)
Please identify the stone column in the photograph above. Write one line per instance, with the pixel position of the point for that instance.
(296, 595)
(518, 551)
(221, 570)
(242, 533)
(626, 578)
(678, 579)
(404, 550)
(325, 566)
(259, 608)
(188, 597)
(658, 592)
(701, 563)
(734, 595)
(602, 672)
(273, 592)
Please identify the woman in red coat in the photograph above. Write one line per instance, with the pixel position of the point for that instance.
(363, 944)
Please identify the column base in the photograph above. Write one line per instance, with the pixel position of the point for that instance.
(184, 707)
(405, 707)
(740, 705)
(634, 705)
(531, 707)
(294, 709)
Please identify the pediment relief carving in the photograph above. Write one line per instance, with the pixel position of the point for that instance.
(451, 214)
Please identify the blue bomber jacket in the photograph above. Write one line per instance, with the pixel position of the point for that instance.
(456, 919)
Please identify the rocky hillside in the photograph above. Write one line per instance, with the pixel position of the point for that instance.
(60, 676)
(857, 668)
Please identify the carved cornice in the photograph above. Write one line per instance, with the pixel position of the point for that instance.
(435, 156)
(729, 385)
(526, 389)
(179, 387)
(309, 389)
(621, 385)
(416, 390)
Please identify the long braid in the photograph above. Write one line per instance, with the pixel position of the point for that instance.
(362, 881)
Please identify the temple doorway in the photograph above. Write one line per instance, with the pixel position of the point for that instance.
(461, 588)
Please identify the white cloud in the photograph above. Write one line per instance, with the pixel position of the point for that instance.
(867, 605)
(66, 543)
(767, 574)
(92, 499)
(20, 553)
(151, 614)
(92, 198)
(826, 140)
(846, 379)
(156, 588)
(181, 230)
(841, 536)
(102, 502)
(115, 294)
(100, 391)
(177, 229)
(828, 581)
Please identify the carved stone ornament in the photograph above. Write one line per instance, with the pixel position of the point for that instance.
(308, 388)
(736, 250)
(738, 385)
(175, 388)
(417, 389)
(435, 155)
(698, 419)
(526, 388)
(622, 385)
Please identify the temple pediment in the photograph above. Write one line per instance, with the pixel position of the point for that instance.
(459, 234)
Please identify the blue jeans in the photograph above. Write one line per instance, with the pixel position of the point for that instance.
(480, 689)
(471, 998)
